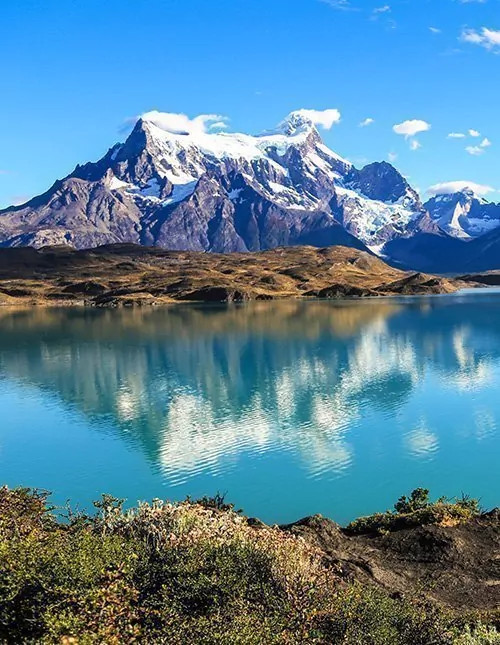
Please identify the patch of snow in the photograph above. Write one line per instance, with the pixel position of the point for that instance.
(288, 197)
(367, 218)
(377, 249)
(175, 149)
(327, 151)
(480, 226)
(116, 184)
(235, 193)
(116, 150)
(320, 163)
(180, 192)
(152, 190)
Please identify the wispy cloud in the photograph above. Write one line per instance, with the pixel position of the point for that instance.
(384, 9)
(366, 122)
(415, 145)
(324, 118)
(485, 37)
(435, 30)
(456, 135)
(341, 5)
(392, 156)
(450, 187)
(218, 125)
(475, 151)
(180, 123)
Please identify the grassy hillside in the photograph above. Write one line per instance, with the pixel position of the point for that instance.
(191, 573)
(134, 275)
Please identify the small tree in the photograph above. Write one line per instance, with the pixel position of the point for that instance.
(419, 499)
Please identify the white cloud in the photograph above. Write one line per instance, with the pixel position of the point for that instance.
(411, 128)
(180, 123)
(475, 151)
(366, 122)
(487, 38)
(450, 187)
(474, 133)
(324, 118)
(343, 5)
(456, 135)
(218, 125)
(415, 145)
(435, 30)
(392, 156)
(384, 9)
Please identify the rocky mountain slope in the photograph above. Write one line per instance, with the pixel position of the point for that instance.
(218, 192)
(128, 275)
(229, 192)
(464, 214)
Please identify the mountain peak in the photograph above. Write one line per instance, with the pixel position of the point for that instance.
(462, 212)
(182, 182)
(298, 121)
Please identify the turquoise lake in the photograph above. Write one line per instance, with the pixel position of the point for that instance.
(291, 408)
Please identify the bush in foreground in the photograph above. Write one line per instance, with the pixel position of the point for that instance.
(417, 510)
(186, 573)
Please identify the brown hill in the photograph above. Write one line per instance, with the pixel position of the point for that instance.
(134, 275)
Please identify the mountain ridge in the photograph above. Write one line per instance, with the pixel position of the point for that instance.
(228, 192)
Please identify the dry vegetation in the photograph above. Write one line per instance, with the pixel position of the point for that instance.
(194, 572)
(131, 275)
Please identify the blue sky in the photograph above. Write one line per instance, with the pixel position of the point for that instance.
(73, 72)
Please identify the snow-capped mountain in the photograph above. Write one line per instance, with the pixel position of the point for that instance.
(218, 191)
(464, 214)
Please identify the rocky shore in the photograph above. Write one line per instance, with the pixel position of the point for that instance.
(457, 566)
(127, 275)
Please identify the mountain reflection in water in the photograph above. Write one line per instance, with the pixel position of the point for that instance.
(315, 401)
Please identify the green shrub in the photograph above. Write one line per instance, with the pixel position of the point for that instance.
(417, 510)
(480, 635)
(418, 500)
(186, 573)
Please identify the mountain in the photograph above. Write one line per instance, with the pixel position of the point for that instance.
(214, 191)
(218, 192)
(464, 214)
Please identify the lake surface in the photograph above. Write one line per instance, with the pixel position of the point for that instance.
(292, 408)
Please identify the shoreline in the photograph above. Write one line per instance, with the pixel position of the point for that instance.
(127, 275)
(85, 304)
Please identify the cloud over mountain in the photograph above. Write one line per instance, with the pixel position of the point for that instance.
(450, 187)
(182, 124)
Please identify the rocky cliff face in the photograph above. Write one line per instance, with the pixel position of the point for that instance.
(464, 214)
(218, 192)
